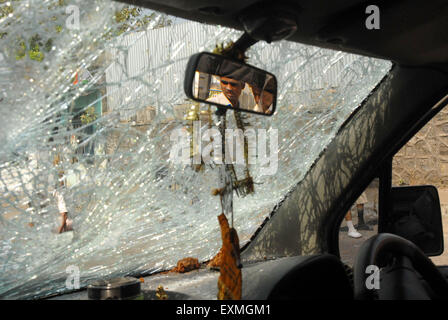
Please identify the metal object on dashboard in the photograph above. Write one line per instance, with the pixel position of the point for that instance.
(126, 288)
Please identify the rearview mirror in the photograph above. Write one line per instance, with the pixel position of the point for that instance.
(416, 216)
(228, 83)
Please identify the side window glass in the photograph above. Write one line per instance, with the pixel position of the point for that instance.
(359, 224)
(424, 161)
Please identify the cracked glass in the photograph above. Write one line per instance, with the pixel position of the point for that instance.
(91, 93)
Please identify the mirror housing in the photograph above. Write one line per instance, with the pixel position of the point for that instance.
(415, 215)
(225, 82)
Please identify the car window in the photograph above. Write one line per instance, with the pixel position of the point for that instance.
(91, 98)
(359, 224)
(424, 161)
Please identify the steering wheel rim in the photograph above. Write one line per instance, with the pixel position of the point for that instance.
(374, 252)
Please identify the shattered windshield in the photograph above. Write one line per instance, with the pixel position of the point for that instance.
(92, 106)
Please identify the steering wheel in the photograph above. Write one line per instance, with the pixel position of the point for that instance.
(379, 249)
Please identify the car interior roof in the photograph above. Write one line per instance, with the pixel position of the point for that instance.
(411, 32)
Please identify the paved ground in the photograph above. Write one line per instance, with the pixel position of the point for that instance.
(348, 247)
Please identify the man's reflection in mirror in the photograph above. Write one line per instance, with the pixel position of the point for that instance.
(231, 77)
(264, 98)
(230, 92)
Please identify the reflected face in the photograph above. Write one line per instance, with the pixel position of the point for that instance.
(266, 98)
(231, 89)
